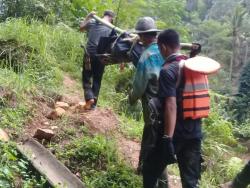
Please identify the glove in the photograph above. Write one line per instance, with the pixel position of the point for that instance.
(168, 150)
(195, 50)
(104, 59)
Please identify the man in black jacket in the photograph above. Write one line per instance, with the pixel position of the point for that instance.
(181, 136)
(92, 67)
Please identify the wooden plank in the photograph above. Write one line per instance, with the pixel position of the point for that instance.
(46, 163)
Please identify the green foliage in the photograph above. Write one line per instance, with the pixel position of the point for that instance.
(23, 8)
(41, 71)
(244, 87)
(56, 47)
(219, 9)
(243, 130)
(122, 8)
(116, 86)
(240, 103)
(96, 159)
(116, 96)
(211, 178)
(214, 26)
(50, 49)
(13, 118)
(238, 17)
(44, 10)
(219, 145)
(216, 43)
(219, 130)
(130, 127)
(169, 14)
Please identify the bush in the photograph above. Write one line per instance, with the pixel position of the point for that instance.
(98, 162)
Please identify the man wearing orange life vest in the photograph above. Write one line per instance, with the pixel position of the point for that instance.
(184, 134)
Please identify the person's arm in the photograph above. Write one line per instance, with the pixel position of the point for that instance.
(140, 83)
(170, 114)
(84, 24)
(167, 91)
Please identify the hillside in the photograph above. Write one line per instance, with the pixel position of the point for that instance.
(41, 61)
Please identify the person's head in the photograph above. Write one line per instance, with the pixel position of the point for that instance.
(109, 15)
(146, 29)
(168, 42)
(147, 38)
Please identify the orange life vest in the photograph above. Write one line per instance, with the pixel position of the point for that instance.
(195, 92)
(195, 95)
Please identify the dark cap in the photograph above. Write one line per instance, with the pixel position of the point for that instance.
(109, 13)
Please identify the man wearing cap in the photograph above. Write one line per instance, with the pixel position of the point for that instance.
(92, 67)
(145, 87)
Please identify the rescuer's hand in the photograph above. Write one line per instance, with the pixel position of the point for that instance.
(195, 49)
(90, 15)
(168, 150)
(104, 59)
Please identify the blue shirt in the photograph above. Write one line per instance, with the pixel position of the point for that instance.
(145, 83)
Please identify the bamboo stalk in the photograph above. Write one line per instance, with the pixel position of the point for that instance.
(119, 30)
(110, 25)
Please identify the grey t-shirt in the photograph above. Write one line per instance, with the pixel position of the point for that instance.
(95, 31)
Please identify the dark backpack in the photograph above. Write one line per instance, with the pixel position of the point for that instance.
(105, 43)
(119, 50)
(127, 51)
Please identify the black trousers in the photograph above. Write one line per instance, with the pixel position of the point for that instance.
(153, 165)
(189, 160)
(150, 137)
(92, 78)
(242, 180)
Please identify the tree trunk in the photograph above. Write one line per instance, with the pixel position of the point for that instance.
(209, 3)
(238, 61)
(246, 53)
(191, 5)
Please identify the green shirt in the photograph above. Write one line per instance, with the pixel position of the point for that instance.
(145, 85)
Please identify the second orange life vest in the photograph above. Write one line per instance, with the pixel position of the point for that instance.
(195, 94)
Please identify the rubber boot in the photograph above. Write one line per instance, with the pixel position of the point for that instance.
(163, 180)
(88, 105)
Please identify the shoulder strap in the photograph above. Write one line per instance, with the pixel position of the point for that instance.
(178, 59)
(180, 73)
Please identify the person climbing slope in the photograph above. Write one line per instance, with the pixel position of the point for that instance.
(145, 87)
(92, 67)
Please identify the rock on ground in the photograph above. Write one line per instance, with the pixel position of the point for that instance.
(4, 136)
(57, 113)
(101, 120)
(46, 134)
(62, 105)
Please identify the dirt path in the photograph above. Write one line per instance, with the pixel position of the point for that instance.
(100, 120)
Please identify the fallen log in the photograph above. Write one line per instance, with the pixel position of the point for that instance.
(47, 165)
